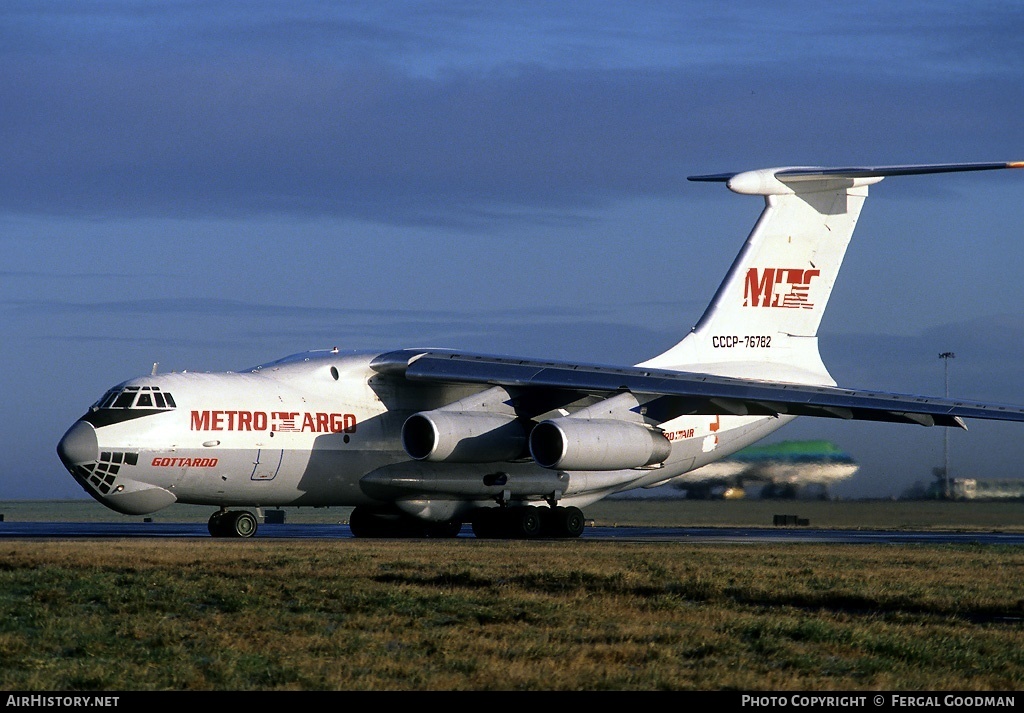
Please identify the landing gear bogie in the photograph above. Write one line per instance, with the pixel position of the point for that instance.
(527, 522)
(364, 522)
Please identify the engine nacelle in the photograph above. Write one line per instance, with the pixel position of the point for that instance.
(463, 436)
(596, 444)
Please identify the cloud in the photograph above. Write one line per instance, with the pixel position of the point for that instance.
(369, 142)
(596, 333)
(987, 367)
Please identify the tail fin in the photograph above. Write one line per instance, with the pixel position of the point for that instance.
(763, 321)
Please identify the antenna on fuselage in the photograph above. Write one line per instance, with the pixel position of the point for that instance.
(155, 365)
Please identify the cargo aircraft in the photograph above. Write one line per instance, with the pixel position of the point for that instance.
(423, 441)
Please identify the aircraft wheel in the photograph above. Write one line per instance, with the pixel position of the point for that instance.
(487, 523)
(449, 528)
(241, 524)
(364, 523)
(216, 524)
(567, 522)
(374, 523)
(244, 523)
(524, 522)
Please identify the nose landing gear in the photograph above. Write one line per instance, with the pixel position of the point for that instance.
(237, 523)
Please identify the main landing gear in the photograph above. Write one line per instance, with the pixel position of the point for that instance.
(365, 522)
(528, 521)
(513, 522)
(236, 523)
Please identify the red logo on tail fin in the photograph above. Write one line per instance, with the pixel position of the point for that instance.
(785, 287)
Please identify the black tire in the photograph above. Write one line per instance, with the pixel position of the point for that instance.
(569, 522)
(447, 529)
(374, 523)
(216, 524)
(524, 522)
(240, 523)
(487, 523)
(366, 523)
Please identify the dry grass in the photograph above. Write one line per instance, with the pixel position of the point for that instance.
(493, 615)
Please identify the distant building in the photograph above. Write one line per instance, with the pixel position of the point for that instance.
(966, 489)
(782, 470)
(975, 489)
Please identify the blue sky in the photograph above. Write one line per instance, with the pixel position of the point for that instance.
(213, 185)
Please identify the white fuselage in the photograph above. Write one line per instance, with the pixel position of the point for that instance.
(324, 429)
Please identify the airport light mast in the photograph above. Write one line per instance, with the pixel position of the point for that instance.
(946, 356)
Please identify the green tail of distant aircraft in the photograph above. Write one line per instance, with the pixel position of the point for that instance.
(780, 469)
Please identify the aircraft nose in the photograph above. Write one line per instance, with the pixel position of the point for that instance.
(79, 445)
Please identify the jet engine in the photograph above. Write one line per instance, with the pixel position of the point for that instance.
(463, 436)
(596, 444)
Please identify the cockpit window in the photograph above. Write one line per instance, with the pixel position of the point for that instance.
(141, 397)
(125, 399)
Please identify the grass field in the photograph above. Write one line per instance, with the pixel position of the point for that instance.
(466, 614)
(485, 615)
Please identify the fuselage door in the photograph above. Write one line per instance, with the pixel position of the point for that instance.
(267, 463)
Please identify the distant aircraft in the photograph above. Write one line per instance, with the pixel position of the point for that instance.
(781, 470)
(421, 441)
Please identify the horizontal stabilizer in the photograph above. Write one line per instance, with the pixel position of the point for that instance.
(851, 172)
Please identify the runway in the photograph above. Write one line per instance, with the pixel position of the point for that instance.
(751, 535)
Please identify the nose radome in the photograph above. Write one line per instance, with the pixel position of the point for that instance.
(79, 445)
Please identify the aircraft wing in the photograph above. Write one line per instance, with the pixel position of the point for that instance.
(670, 394)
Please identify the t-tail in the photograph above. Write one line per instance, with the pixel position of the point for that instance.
(763, 321)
